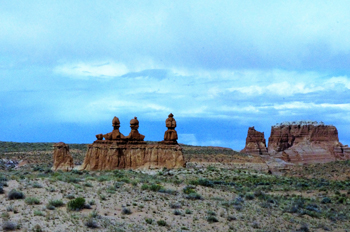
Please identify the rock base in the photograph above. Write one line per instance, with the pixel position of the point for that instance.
(111, 155)
(62, 160)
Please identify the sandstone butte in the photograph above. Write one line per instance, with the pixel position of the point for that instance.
(117, 151)
(255, 143)
(300, 142)
(62, 158)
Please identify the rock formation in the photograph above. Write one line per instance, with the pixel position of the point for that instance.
(62, 160)
(170, 136)
(306, 142)
(134, 134)
(255, 143)
(131, 152)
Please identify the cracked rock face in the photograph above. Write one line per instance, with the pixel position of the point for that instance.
(255, 143)
(62, 160)
(306, 142)
(104, 155)
(131, 152)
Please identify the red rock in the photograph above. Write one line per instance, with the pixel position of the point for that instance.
(131, 152)
(255, 143)
(306, 142)
(109, 155)
(170, 136)
(62, 160)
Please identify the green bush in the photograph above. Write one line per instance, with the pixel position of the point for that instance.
(212, 219)
(76, 204)
(155, 187)
(188, 190)
(194, 196)
(145, 187)
(14, 194)
(32, 201)
(161, 223)
(56, 203)
(149, 220)
(126, 211)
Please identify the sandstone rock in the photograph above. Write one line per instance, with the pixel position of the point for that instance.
(170, 136)
(62, 158)
(134, 133)
(131, 152)
(306, 142)
(115, 134)
(255, 143)
(109, 155)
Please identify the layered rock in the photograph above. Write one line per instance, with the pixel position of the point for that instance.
(131, 152)
(62, 160)
(110, 155)
(306, 142)
(255, 143)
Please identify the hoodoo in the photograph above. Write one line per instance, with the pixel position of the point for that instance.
(255, 143)
(131, 152)
(62, 160)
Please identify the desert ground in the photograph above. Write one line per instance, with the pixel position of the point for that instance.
(212, 193)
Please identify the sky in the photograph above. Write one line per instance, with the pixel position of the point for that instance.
(68, 67)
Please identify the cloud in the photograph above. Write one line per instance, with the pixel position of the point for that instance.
(98, 69)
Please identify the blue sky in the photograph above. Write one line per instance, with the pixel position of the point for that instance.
(68, 67)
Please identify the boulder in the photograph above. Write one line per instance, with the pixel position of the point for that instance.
(62, 160)
(255, 143)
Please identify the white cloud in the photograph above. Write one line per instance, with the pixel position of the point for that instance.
(343, 80)
(281, 88)
(187, 139)
(97, 69)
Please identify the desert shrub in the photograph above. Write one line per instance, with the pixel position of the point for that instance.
(50, 207)
(37, 185)
(168, 191)
(37, 228)
(194, 196)
(249, 196)
(56, 203)
(212, 213)
(149, 220)
(212, 219)
(175, 205)
(91, 223)
(70, 196)
(118, 184)
(177, 212)
(76, 204)
(8, 225)
(188, 211)
(203, 182)
(32, 201)
(161, 223)
(125, 180)
(10, 208)
(155, 187)
(126, 211)
(38, 213)
(102, 178)
(144, 187)
(14, 194)
(88, 184)
(92, 202)
(188, 190)
(231, 218)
